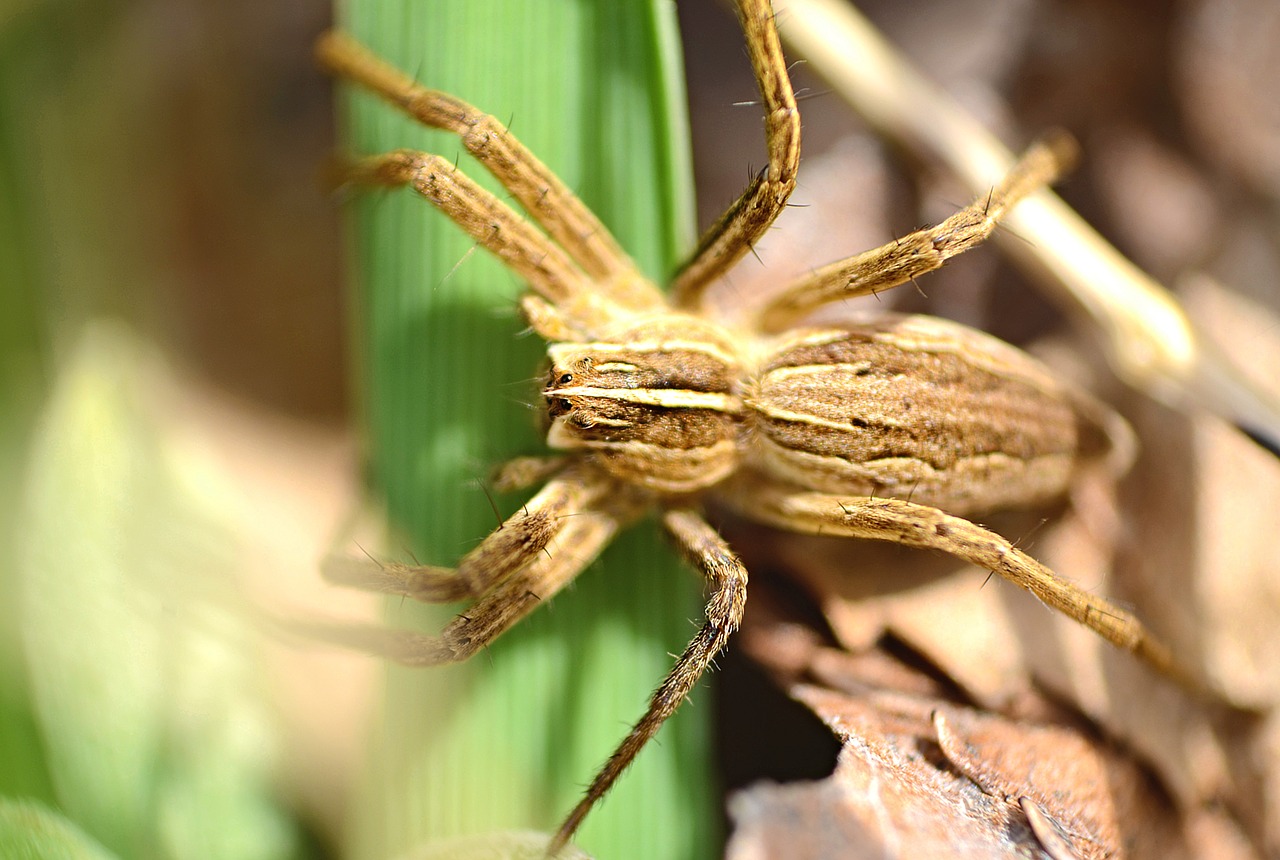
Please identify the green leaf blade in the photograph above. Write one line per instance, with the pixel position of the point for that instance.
(510, 740)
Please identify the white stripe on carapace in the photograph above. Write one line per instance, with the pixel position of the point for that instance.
(670, 398)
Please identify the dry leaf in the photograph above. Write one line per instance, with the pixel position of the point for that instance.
(921, 775)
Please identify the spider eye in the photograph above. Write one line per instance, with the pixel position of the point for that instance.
(565, 379)
(565, 403)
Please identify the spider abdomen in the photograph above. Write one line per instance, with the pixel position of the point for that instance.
(915, 408)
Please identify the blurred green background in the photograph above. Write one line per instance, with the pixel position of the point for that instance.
(177, 452)
(169, 295)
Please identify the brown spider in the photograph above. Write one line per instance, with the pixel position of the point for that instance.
(869, 430)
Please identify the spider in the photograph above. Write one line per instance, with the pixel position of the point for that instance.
(893, 429)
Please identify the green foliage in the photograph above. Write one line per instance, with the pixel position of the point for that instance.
(31, 831)
(593, 89)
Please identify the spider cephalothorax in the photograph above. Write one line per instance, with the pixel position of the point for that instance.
(889, 429)
(660, 407)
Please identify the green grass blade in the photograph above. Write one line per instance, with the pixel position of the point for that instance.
(593, 89)
(32, 831)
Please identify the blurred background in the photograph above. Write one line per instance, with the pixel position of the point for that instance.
(176, 444)
(175, 447)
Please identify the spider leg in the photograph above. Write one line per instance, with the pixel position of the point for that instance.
(923, 251)
(525, 535)
(551, 324)
(544, 572)
(924, 527)
(495, 225)
(520, 473)
(707, 551)
(742, 225)
(547, 200)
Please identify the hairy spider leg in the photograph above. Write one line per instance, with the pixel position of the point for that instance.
(924, 527)
(923, 251)
(746, 220)
(702, 547)
(525, 534)
(533, 554)
(540, 192)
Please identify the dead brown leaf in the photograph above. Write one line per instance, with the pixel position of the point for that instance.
(921, 775)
